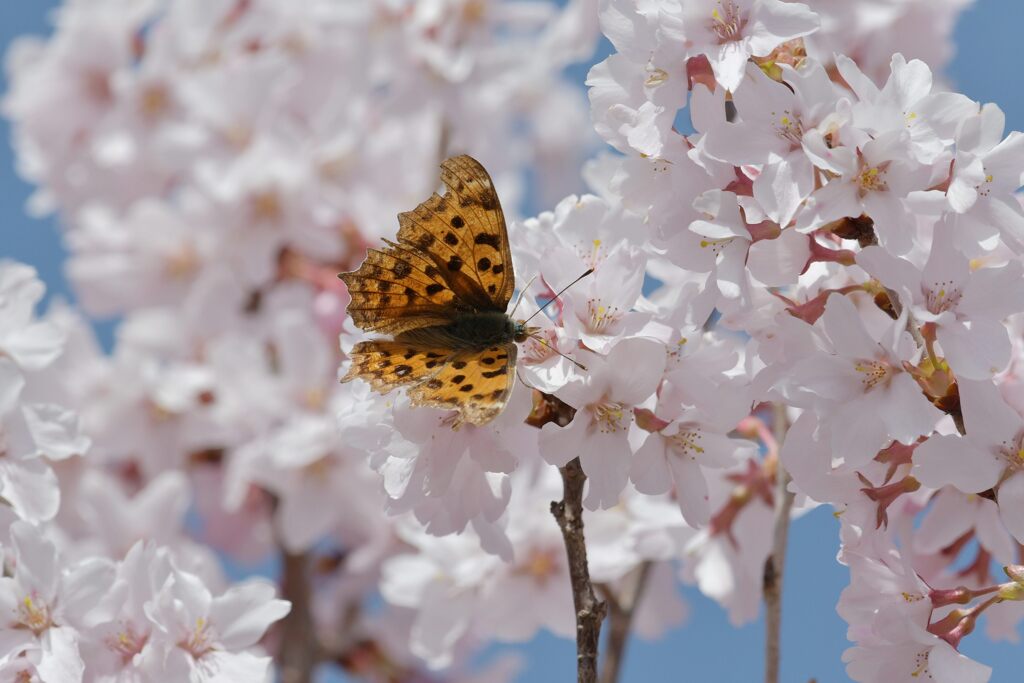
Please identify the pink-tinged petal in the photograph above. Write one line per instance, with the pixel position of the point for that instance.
(906, 412)
(858, 432)
(14, 640)
(783, 185)
(994, 292)
(642, 132)
(963, 188)
(927, 202)
(892, 224)
(230, 667)
(31, 488)
(910, 81)
(728, 63)
(992, 533)
(740, 144)
(862, 85)
(836, 200)
(839, 160)
(559, 445)
(34, 345)
(774, 22)
(892, 271)
(947, 268)
(84, 587)
(976, 352)
(649, 471)
(988, 419)
(822, 377)
(605, 458)
(980, 133)
(11, 384)
(36, 568)
(1011, 505)
(946, 665)
(841, 322)
(948, 519)
(301, 515)
(637, 365)
(442, 620)
(1005, 163)
(727, 221)
(1006, 217)
(691, 491)
(731, 272)
(945, 111)
(55, 431)
(60, 660)
(245, 611)
(947, 460)
(707, 109)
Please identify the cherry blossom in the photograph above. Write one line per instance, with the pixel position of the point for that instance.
(988, 454)
(604, 402)
(811, 299)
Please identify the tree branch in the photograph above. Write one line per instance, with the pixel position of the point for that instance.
(621, 609)
(774, 566)
(300, 650)
(590, 611)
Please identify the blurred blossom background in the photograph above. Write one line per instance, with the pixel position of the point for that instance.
(707, 647)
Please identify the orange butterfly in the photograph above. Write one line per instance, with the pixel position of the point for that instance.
(442, 291)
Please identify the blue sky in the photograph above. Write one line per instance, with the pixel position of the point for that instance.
(707, 649)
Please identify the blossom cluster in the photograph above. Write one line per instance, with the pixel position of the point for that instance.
(821, 282)
(97, 571)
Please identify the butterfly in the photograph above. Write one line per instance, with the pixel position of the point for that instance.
(441, 291)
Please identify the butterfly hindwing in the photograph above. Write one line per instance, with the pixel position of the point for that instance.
(387, 365)
(476, 383)
(464, 234)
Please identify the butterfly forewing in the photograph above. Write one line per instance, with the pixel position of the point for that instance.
(464, 233)
(397, 289)
(476, 383)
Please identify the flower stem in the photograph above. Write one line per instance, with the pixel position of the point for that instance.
(774, 566)
(590, 611)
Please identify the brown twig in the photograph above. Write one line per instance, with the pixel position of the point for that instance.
(590, 611)
(300, 650)
(775, 565)
(621, 609)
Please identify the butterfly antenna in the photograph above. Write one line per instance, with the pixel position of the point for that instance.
(578, 364)
(555, 297)
(522, 293)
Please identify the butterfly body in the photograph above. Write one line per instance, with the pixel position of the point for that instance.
(470, 332)
(442, 291)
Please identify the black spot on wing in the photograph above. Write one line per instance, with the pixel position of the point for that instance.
(489, 240)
